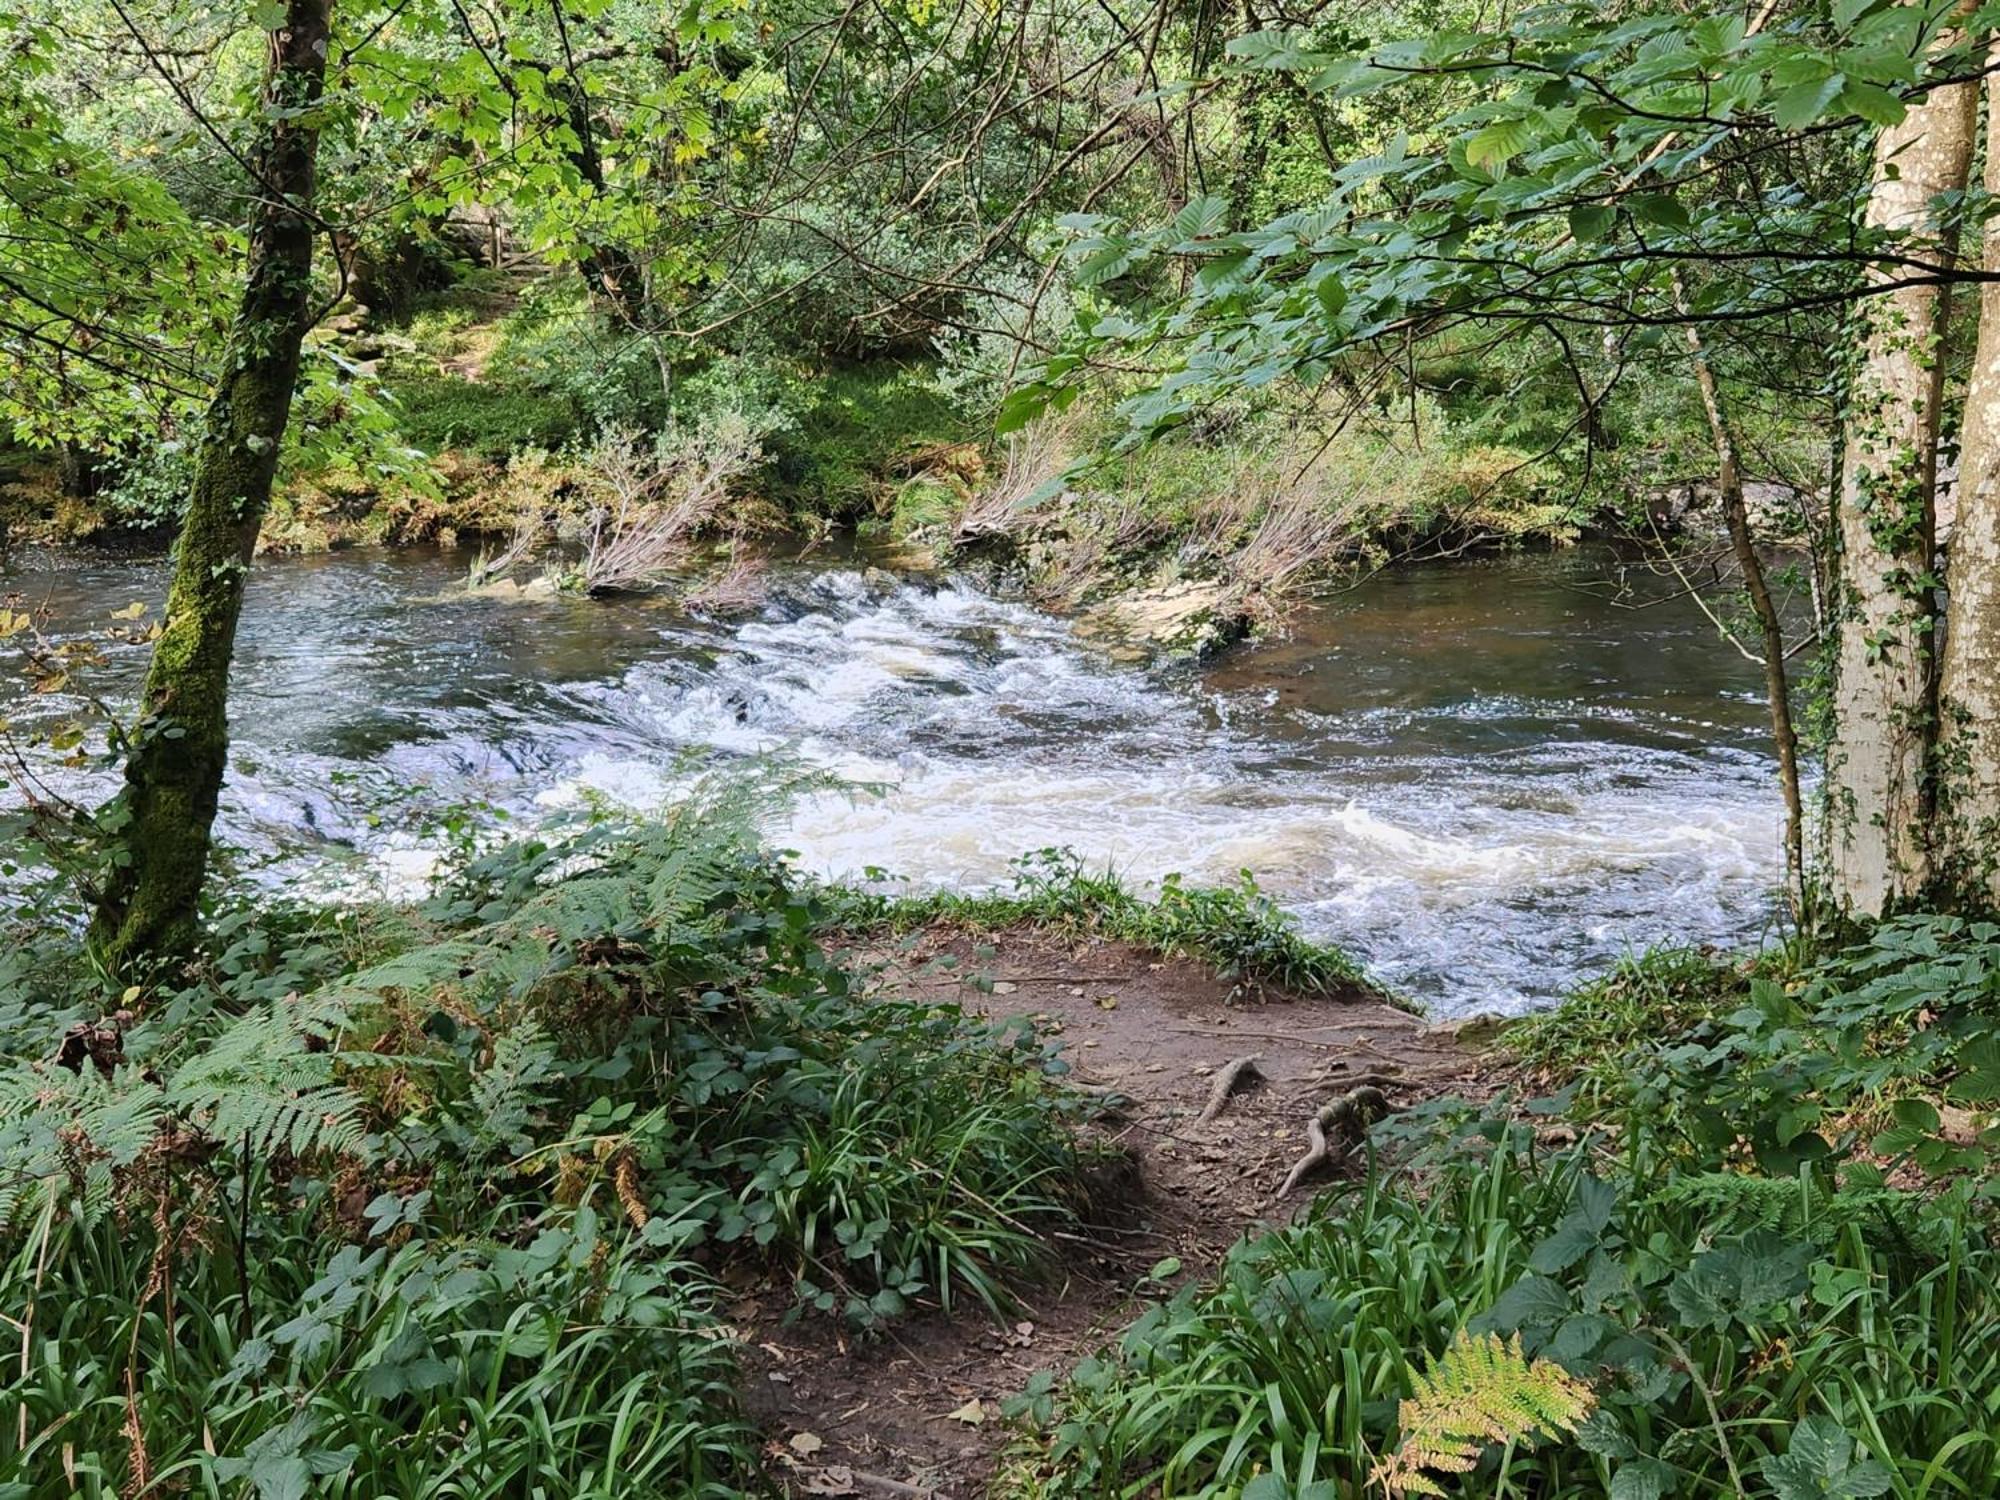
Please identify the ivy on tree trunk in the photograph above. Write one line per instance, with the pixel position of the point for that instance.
(1877, 775)
(161, 819)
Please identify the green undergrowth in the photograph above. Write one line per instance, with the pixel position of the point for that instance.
(428, 1201)
(1249, 938)
(1756, 1221)
(1655, 996)
(1778, 1344)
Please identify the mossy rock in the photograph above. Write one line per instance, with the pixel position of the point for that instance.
(1188, 619)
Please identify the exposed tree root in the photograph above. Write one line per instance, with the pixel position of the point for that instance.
(1234, 1075)
(1348, 1118)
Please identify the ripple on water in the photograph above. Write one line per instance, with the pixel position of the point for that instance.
(1483, 811)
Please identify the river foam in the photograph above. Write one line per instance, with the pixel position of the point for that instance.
(1481, 787)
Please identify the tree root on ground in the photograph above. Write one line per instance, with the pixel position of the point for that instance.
(1348, 1118)
(1234, 1075)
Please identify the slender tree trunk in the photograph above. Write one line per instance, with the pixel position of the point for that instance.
(1968, 757)
(1878, 789)
(1770, 630)
(160, 822)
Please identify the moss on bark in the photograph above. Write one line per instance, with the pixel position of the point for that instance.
(159, 823)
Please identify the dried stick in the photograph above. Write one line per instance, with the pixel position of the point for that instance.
(1353, 1112)
(1233, 1076)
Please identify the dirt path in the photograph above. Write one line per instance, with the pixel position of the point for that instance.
(917, 1412)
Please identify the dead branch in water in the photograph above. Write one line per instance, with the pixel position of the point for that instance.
(648, 502)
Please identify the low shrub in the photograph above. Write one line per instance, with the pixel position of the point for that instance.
(491, 421)
(421, 1201)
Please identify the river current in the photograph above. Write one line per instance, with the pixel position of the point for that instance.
(1485, 779)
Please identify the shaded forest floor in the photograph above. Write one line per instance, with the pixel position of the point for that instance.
(916, 1411)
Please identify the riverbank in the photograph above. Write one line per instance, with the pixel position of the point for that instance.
(1210, 1098)
(492, 422)
(729, 1178)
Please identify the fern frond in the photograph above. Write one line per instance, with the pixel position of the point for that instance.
(1482, 1391)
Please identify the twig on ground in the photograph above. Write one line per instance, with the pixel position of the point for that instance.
(1351, 1115)
(1235, 1074)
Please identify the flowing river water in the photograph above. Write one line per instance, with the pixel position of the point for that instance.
(1485, 778)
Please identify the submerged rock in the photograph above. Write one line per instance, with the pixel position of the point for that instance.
(538, 588)
(1188, 618)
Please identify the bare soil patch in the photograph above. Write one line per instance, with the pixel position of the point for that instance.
(916, 1411)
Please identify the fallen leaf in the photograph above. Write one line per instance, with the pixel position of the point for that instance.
(1004, 986)
(807, 1443)
(831, 1481)
(1107, 1002)
(972, 1413)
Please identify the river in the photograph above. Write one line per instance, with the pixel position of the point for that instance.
(1484, 778)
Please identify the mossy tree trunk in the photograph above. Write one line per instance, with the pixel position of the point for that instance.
(159, 823)
(1878, 790)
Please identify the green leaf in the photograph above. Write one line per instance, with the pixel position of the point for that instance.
(1202, 217)
(1658, 208)
(1531, 1301)
(1805, 101)
(1739, 1282)
(1267, 49)
(1917, 1114)
(1819, 1465)
(1601, 1434)
(1492, 147)
(1106, 264)
(1873, 103)
(1642, 1479)
(1589, 222)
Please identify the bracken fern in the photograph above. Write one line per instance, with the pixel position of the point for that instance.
(1483, 1390)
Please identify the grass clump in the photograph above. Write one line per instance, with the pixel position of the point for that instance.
(426, 1202)
(1247, 936)
(1651, 997)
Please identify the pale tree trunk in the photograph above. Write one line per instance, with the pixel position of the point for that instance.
(1968, 754)
(160, 822)
(1885, 688)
